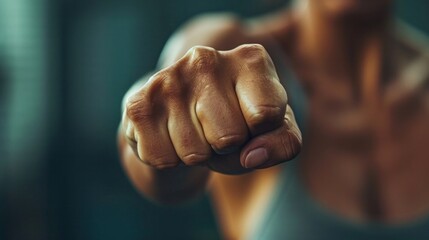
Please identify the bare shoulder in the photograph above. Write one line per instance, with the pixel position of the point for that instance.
(222, 31)
(225, 31)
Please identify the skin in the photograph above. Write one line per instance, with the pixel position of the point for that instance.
(364, 157)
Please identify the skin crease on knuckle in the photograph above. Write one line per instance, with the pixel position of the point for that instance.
(138, 109)
(251, 50)
(167, 85)
(202, 60)
(160, 163)
(195, 159)
(255, 58)
(147, 101)
(260, 116)
(229, 143)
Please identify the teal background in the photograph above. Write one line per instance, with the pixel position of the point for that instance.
(64, 67)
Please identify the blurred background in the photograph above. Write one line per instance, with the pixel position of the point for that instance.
(64, 67)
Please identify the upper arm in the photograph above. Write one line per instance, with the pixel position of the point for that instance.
(220, 31)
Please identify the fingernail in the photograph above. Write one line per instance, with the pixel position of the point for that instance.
(256, 157)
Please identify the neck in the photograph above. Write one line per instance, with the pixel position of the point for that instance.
(346, 46)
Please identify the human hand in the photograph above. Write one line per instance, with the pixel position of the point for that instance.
(223, 109)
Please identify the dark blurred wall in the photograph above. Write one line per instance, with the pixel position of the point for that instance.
(26, 117)
(80, 57)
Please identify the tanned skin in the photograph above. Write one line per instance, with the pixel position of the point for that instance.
(217, 97)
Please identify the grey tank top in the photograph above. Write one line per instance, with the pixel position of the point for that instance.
(294, 215)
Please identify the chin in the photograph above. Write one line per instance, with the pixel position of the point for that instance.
(359, 8)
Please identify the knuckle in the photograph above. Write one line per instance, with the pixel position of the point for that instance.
(146, 102)
(172, 88)
(157, 79)
(202, 50)
(166, 85)
(162, 162)
(262, 115)
(138, 107)
(255, 57)
(202, 59)
(252, 51)
(195, 158)
(229, 143)
(252, 47)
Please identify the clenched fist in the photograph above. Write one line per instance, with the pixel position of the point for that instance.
(223, 109)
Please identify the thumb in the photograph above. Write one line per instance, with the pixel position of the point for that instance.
(272, 148)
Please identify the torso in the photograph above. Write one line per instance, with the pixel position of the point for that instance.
(367, 159)
(362, 160)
